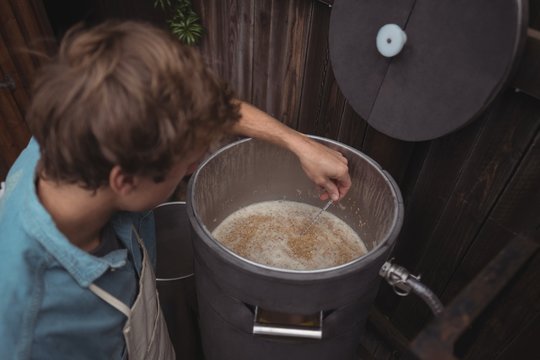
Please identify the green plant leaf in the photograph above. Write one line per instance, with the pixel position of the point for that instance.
(185, 23)
(162, 3)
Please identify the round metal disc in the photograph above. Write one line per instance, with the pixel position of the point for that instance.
(458, 56)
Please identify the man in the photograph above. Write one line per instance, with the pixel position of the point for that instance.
(119, 117)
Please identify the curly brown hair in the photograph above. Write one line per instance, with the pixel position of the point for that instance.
(127, 94)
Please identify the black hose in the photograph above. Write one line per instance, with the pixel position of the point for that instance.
(426, 294)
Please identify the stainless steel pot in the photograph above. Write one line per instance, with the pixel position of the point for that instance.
(232, 289)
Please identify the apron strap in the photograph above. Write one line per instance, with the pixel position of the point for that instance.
(107, 297)
(111, 300)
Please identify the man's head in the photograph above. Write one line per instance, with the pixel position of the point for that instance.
(128, 95)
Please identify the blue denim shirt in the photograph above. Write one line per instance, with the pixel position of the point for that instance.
(46, 309)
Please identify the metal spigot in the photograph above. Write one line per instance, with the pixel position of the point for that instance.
(397, 276)
(403, 283)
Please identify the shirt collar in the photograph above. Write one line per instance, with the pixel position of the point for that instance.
(84, 267)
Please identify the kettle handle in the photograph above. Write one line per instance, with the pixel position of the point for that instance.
(261, 327)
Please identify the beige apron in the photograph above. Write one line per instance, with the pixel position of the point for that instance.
(145, 331)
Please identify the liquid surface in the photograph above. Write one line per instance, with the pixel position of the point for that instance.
(269, 233)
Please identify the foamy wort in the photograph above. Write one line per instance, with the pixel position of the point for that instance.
(268, 233)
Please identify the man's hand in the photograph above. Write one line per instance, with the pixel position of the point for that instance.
(327, 168)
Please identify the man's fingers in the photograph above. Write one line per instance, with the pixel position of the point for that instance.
(342, 158)
(335, 189)
(331, 190)
(328, 168)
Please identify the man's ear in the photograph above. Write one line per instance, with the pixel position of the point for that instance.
(120, 182)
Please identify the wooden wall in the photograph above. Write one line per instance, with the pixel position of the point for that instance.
(23, 30)
(467, 194)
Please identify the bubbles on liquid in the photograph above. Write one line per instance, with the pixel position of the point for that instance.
(269, 233)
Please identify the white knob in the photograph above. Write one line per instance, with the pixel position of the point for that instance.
(390, 40)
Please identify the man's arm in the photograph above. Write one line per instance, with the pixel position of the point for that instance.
(325, 167)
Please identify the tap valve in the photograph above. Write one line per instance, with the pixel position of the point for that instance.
(403, 283)
(398, 277)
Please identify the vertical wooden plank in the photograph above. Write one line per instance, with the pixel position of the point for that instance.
(240, 47)
(4, 168)
(14, 133)
(330, 112)
(35, 29)
(13, 119)
(519, 206)
(416, 163)
(281, 30)
(289, 84)
(14, 57)
(206, 46)
(261, 45)
(44, 27)
(322, 103)
(392, 154)
(352, 128)
(280, 18)
(315, 71)
(18, 64)
(501, 144)
(516, 212)
(534, 14)
(221, 35)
